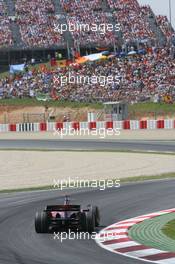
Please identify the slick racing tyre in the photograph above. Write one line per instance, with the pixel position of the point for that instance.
(96, 212)
(90, 219)
(41, 222)
(83, 222)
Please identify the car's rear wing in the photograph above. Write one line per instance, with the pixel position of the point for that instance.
(63, 208)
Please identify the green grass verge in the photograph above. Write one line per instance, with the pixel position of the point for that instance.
(137, 108)
(124, 181)
(169, 229)
(152, 107)
(150, 233)
(34, 102)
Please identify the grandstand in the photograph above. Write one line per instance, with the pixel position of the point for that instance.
(30, 24)
(29, 30)
(6, 36)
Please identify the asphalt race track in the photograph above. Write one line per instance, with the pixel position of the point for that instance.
(137, 145)
(20, 244)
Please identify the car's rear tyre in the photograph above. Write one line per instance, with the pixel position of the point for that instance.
(37, 223)
(96, 212)
(41, 222)
(83, 222)
(90, 220)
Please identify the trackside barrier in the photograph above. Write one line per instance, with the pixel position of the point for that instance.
(84, 126)
(67, 126)
(59, 126)
(152, 124)
(143, 124)
(134, 124)
(50, 126)
(118, 125)
(76, 125)
(92, 125)
(12, 127)
(26, 127)
(160, 124)
(126, 124)
(36, 127)
(43, 127)
(169, 124)
(4, 128)
(109, 125)
(100, 125)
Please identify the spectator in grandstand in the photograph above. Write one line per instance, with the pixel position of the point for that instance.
(142, 78)
(37, 20)
(6, 38)
(165, 27)
(133, 20)
(89, 13)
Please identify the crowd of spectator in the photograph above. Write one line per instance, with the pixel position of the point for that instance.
(133, 19)
(37, 22)
(88, 13)
(141, 78)
(165, 26)
(135, 78)
(6, 38)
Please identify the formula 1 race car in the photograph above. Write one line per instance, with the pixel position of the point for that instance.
(67, 216)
